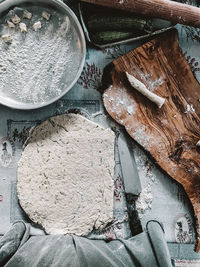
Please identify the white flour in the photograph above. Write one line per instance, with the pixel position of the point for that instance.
(152, 85)
(35, 67)
(121, 101)
(144, 200)
(130, 110)
(142, 137)
(146, 171)
(189, 108)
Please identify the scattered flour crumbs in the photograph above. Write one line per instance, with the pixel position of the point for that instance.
(33, 67)
(151, 84)
(144, 200)
(189, 108)
(146, 172)
(121, 101)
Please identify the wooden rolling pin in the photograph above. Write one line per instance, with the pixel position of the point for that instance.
(163, 9)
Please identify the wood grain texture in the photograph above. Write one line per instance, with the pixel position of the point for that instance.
(163, 9)
(169, 134)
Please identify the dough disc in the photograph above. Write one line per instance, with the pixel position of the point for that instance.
(65, 175)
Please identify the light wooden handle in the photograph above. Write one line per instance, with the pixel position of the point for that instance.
(163, 9)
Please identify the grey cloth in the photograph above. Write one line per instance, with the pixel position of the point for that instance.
(13, 240)
(146, 249)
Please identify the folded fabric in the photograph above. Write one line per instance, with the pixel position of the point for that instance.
(13, 240)
(145, 249)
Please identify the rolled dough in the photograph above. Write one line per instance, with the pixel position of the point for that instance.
(65, 175)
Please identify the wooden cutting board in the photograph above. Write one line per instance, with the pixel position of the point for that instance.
(169, 134)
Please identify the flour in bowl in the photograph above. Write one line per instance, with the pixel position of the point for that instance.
(41, 59)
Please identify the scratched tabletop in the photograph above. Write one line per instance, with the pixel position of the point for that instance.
(162, 198)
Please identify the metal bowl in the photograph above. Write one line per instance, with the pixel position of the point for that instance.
(38, 76)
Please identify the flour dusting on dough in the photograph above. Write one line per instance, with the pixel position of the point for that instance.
(65, 175)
